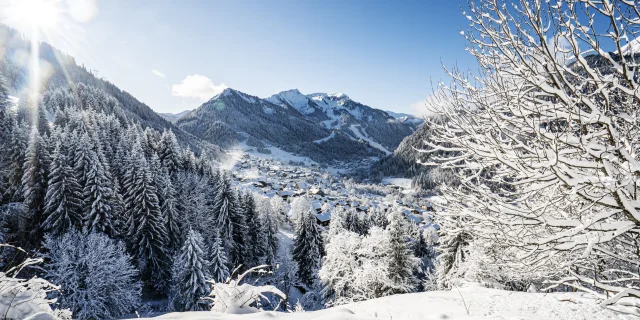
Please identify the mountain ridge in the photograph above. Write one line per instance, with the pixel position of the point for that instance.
(234, 116)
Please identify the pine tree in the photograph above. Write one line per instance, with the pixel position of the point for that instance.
(224, 206)
(169, 209)
(84, 155)
(307, 245)
(147, 232)
(229, 220)
(99, 199)
(254, 231)
(402, 262)
(15, 168)
(7, 128)
(379, 218)
(190, 274)
(219, 269)
(63, 200)
(169, 151)
(270, 232)
(34, 183)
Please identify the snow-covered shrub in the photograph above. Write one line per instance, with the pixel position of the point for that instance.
(95, 275)
(235, 298)
(361, 267)
(27, 298)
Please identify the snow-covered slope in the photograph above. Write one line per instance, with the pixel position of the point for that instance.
(471, 302)
(338, 112)
(632, 47)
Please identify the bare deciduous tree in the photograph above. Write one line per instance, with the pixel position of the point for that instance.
(546, 140)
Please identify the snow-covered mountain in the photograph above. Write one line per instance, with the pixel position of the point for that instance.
(632, 47)
(405, 117)
(233, 117)
(173, 117)
(338, 112)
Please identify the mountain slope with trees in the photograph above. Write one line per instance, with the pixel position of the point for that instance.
(61, 70)
(232, 117)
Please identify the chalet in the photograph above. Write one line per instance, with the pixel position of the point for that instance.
(324, 218)
(316, 192)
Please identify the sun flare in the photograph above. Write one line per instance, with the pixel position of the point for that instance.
(43, 14)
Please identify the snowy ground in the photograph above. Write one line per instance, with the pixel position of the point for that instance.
(356, 128)
(400, 182)
(482, 303)
(276, 153)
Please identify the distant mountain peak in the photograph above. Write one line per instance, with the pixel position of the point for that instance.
(632, 47)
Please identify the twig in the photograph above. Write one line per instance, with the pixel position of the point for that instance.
(465, 304)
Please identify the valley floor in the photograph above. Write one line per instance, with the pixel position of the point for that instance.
(482, 303)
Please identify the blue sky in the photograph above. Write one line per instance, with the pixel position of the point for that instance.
(174, 54)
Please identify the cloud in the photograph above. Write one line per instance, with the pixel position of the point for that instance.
(419, 108)
(197, 86)
(82, 10)
(158, 73)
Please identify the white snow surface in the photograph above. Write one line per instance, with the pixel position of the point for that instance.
(467, 302)
(276, 153)
(294, 98)
(400, 182)
(360, 133)
(327, 138)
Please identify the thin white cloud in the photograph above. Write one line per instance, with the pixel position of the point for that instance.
(123, 42)
(158, 73)
(197, 86)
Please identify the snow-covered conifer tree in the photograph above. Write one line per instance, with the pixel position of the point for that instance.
(84, 155)
(169, 151)
(63, 200)
(34, 182)
(147, 227)
(308, 244)
(254, 242)
(189, 275)
(169, 209)
(99, 198)
(219, 270)
(269, 225)
(15, 162)
(402, 262)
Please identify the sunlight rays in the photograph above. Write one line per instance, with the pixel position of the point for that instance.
(45, 20)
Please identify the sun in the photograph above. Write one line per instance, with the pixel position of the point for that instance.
(41, 14)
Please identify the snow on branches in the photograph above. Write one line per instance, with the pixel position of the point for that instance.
(545, 140)
(233, 297)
